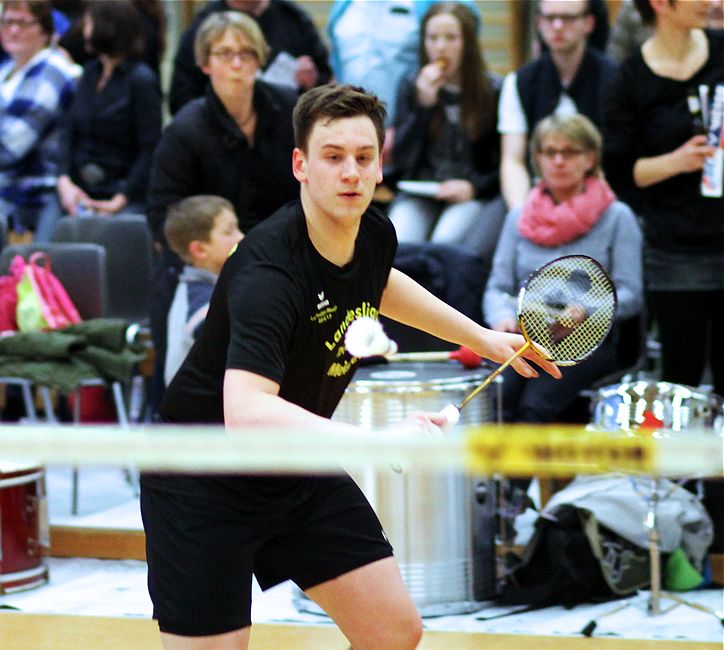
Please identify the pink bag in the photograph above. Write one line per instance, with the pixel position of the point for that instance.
(43, 302)
(9, 296)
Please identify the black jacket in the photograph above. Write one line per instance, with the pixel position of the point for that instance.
(412, 128)
(539, 87)
(286, 28)
(203, 151)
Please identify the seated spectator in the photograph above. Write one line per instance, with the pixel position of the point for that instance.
(297, 56)
(114, 123)
(653, 143)
(36, 87)
(570, 77)
(202, 230)
(445, 132)
(376, 45)
(571, 211)
(235, 142)
(153, 26)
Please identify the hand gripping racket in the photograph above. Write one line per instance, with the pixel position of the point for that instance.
(565, 311)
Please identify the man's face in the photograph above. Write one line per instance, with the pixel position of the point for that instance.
(564, 25)
(340, 169)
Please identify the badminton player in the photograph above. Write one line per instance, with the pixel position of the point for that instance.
(272, 354)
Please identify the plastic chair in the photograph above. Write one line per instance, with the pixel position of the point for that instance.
(129, 259)
(81, 268)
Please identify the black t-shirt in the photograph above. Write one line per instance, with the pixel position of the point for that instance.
(647, 115)
(280, 310)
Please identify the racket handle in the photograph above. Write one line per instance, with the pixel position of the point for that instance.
(492, 376)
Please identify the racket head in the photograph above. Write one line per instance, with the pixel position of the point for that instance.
(566, 308)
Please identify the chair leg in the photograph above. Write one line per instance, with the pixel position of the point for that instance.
(130, 471)
(74, 492)
(29, 402)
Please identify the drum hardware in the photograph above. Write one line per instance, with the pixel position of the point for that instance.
(658, 407)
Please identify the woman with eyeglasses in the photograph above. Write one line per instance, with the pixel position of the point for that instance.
(656, 149)
(571, 211)
(235, 142)
(114, 122)
(37, 83)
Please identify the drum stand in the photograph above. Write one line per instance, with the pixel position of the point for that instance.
(656, 593)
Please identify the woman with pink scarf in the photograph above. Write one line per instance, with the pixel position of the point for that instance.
(571, 211)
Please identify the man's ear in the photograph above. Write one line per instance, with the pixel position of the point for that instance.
(590, 24)
(379, 173)
(299, 165)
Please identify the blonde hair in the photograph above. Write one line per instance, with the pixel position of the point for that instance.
(576, 128)
(192, 219)
(238, 23)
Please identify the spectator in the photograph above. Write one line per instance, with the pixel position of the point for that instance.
(297, 54)
(375, 45)
(569, 78)
(114, 122)
(153, 26)
(445, 131)
(651, 143)
(235, 142)
(571, 211)
(202, 230)
(36, 85)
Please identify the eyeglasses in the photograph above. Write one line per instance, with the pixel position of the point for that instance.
(566, 19)
(7, 23)
(227, 55)
(567, 154)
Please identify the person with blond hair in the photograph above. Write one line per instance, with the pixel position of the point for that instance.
(234, 142)
(571, 211)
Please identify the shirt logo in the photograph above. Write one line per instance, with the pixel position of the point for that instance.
(322, 301)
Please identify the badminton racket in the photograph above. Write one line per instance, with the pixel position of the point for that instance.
(565, 311)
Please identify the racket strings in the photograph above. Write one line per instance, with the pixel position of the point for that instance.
(568, 308)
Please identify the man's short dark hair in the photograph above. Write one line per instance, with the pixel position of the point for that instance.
(333, 102)
(646, 11)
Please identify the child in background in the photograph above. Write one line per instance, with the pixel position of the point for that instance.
(202, 230)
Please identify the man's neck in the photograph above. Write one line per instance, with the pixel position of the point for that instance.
(568, 63)
(332, 240)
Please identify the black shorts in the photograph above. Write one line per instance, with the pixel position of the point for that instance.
(203, 548)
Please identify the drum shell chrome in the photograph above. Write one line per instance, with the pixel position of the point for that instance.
(441, 524)
(656, 405)
(23, 527)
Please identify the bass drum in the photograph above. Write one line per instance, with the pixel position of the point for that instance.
(23, 527)
(440, 523)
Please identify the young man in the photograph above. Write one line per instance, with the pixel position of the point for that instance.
(272, 353)
(568, 78)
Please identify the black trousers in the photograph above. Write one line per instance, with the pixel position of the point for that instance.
(691, 327)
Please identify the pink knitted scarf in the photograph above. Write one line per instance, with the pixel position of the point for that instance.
(549, 224)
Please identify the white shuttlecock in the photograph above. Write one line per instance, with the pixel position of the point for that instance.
(366, 338)
(452, 414)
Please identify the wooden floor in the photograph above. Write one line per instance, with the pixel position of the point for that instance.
(53, 632)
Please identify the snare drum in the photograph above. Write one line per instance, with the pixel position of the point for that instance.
(657, 405)
(23, 527)
(441, 524)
